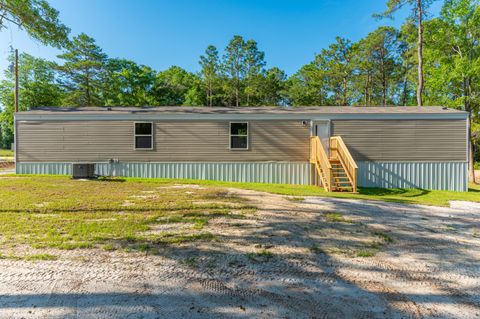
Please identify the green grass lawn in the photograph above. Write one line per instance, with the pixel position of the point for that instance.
(141, 214)
(58, 212)
(6, 153)
(408, 196)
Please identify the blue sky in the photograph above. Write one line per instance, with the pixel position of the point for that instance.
(161, 33)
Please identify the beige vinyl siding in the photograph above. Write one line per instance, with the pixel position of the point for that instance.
(404, 140)
(174, 141)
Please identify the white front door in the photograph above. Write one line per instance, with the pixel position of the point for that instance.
(322, 130)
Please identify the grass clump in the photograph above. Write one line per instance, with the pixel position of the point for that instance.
(190, 261)
(40, 257)
(366, 253)
(337, 218)
(316, 249)
(385, 237)
(260, 256)
(296, 199)
(175, 238)
(33, 257)
(109, 247)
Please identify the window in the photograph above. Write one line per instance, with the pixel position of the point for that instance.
(143, 136)
(239, 136)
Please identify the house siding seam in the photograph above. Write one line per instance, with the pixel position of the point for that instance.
(427, 175)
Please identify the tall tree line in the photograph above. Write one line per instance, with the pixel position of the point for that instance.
(432, 61)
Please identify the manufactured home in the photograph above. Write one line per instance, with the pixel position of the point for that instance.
(339, 148)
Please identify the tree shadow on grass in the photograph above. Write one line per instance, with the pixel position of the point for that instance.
(417, 192)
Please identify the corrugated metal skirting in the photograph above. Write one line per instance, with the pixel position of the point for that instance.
(44, 168)
(274, 172)
(440, 176)
(443, 176)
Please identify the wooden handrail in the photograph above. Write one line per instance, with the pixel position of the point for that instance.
(339, 151)
(319, 157)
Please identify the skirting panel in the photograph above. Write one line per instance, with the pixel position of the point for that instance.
(441, 176)
(271, 172)
(451, 176)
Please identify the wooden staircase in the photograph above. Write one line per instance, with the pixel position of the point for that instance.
(340, 180)
(337, 172)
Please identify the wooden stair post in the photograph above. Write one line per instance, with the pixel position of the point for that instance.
(319, 158)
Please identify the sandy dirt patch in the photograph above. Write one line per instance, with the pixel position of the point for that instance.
(288, 260)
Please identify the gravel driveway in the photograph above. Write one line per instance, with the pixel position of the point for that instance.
(287, 260)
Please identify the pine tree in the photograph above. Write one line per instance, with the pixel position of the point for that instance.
(81, 72)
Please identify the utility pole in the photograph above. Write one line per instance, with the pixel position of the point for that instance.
(16, 80)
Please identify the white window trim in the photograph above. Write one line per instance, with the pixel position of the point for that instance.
(230, 136)
(135, 137)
